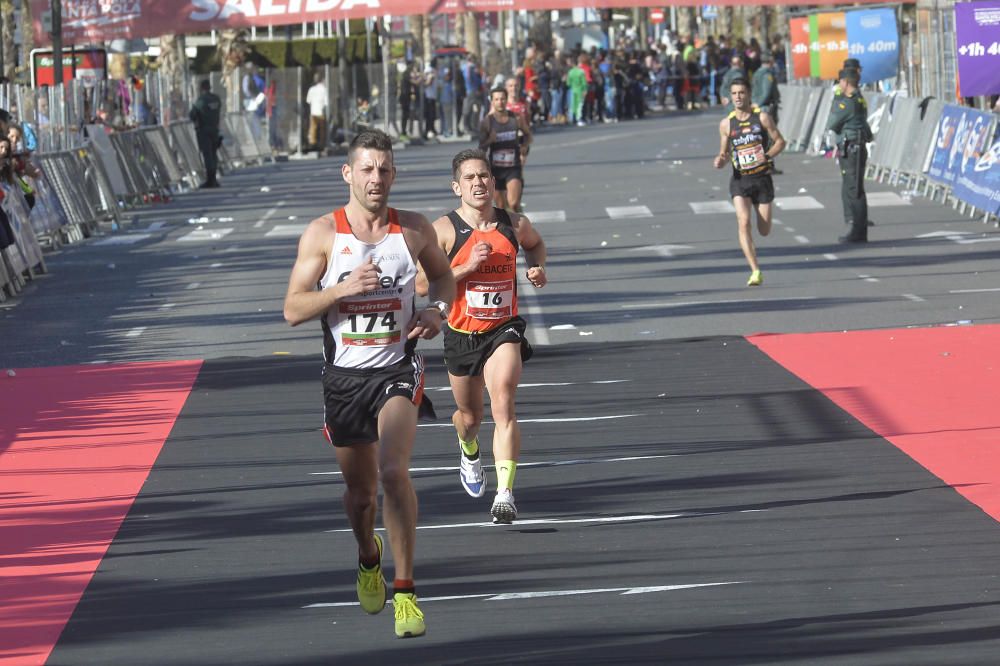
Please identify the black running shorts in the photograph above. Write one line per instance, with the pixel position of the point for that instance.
(503, 175)
(466, 353)
(758, 189)
(352, 398)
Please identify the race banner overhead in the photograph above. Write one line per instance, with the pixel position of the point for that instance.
(87, 21)
(873, 38)
(977, 33)
(822, 41)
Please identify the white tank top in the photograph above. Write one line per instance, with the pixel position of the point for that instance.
(366, 331)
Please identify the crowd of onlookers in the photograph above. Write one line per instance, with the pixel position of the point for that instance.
(447, 96)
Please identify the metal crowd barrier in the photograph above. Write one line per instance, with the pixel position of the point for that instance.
(901, 152)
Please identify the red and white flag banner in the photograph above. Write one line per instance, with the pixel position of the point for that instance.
(87, 21)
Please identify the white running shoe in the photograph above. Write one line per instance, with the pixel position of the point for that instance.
(471, 473)
(503, 509)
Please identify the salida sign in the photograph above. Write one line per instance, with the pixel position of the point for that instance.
(101, 20)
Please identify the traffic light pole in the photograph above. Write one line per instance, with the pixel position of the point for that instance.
(57, 61)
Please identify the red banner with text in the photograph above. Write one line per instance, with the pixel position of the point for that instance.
(86, 21)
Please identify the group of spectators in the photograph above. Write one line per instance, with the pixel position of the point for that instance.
(447, 96)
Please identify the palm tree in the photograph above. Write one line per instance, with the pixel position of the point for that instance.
(9, 53)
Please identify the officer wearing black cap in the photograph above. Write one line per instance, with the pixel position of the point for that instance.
(850, 63)
(849, 119)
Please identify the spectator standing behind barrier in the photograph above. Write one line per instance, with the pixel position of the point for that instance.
(430, 84)
(472, 105)
(254, 99)
(318, 99)
(205, 114)
(849, 119)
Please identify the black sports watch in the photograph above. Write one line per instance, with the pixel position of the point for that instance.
(442, 307)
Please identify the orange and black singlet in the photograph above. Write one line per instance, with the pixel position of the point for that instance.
(488, 297)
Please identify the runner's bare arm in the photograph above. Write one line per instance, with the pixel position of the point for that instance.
(303, 301)
(423, 242)
(534, 251)
(445, 240)
(723, 156)
(777, 140)
(486, 135)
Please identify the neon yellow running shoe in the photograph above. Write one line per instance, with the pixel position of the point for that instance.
(371, 584)
(756, 279)
(409, 618)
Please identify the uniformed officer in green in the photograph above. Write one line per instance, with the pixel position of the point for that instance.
(849, 119)
(766, 95)
(734, 72)
(205, 114)
(850, 63)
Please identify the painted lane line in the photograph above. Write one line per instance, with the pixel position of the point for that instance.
(511, 596)
(286, 230)
(802, 239)
(797, 203)
(628, 212)
(543, 216)
(558, 521)
(205, 235)
(546, 384)
(790, 230)
(662, 250)
(193, 285)
(685, 304)
(830, 256)
(972, 291)
(528, 297)
(216, 265)
(711, 207)
(868, 278)
(167, 306)
(914, 298)
(541, 463)
(135, 332)
(562, 420)
(270, 213)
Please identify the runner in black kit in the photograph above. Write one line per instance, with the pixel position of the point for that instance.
(750, 140)
(501, 133)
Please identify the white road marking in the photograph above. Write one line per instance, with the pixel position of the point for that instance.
(216, 265)
(558, 521)
(972, 291)
(205, 235)
(790, 230)
(541, 463)
(662, 250)
(167, 306)
(510, 596)
(711, 207)
(885, 199)
(193, 285)
(802, 239)
(155, 226)
(831, 256)
(232, 248)
(528, 300)
(797, 203)
(950, 235)
(135, 332)
(868, 278)
(914, 298)
(543, 216)
(124, 239)
(544, 384)
(270, 213)
(628, 212)
(684, 304)
(287, 230)
(561, 420)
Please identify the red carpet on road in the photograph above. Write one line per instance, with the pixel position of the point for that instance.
(932, 392)
(76, 445)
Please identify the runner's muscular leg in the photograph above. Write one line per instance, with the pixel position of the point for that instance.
(359, 465)
(468, 394)
(397, 428)
(502, 374)
(514, 189)
(743, 215)
(500, 198)
(764, 211)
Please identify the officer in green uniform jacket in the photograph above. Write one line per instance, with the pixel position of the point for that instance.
(850, 63)
(205, 114)
(734, 72)
(766, 95)
(849, 119)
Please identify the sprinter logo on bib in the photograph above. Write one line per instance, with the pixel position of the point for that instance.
(371, 323)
